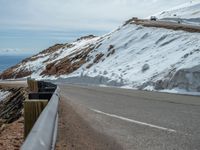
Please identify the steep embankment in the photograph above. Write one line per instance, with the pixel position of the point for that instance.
(11, 120)
(11, 104)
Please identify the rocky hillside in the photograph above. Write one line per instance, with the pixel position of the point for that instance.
(11, 120)
(132, 56)
(11, 104)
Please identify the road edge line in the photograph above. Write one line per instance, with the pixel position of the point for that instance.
(134, 121)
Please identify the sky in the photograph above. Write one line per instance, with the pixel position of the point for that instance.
(29, 26)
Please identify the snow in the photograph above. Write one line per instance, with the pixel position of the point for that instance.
(180, 91)
(163, 50)
(133, 50)
(188, 13)
(77, 46)
(3, 94)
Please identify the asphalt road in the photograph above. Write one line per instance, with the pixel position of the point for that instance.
(139, 120)
(167, 25)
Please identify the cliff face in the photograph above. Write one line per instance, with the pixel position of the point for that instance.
(11, 104)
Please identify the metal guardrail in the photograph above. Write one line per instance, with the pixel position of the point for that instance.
(44, 132)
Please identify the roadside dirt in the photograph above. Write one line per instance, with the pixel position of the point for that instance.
(11, 135)
(75, 134)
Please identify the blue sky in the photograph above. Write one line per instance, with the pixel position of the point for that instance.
(29, 26)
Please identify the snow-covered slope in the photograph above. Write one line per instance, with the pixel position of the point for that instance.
(132, 56)
(187, 13)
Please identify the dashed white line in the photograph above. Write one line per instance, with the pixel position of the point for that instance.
(134, 121)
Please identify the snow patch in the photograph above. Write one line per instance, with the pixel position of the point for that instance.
(180, 91)
(4, 94)
(188, 13)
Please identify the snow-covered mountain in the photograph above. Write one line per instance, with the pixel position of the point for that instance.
(132, 56)
(188, 13)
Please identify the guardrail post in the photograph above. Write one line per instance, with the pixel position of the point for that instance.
(32, 110)
(32, 85)
(40, 116)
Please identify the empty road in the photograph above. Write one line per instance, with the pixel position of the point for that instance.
(167, 25)
(135, 120)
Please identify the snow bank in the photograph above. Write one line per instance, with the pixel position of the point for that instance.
(165, 52)
(142, 57)
(87, 80)
(180, 91)
(188, 13)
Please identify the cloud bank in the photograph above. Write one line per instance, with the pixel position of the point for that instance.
(76, 14)
(32, 25)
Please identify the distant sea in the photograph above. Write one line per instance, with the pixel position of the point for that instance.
(8, 61)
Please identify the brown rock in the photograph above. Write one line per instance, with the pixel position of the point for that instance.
(98, 57)
(2, 127)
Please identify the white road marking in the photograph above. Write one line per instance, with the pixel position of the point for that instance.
(134, 121)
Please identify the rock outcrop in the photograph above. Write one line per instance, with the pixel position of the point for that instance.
(12, 106)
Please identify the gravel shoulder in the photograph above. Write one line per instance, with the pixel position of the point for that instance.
(11, 135)
(74, 133)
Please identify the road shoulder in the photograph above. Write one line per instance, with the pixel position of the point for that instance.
(75, 133)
